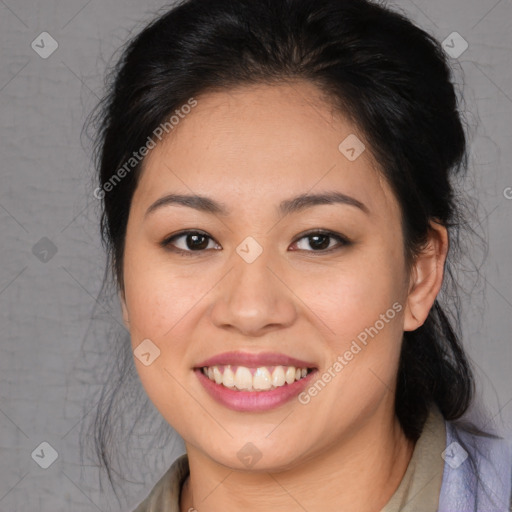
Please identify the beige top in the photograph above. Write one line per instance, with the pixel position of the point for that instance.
(418, 491)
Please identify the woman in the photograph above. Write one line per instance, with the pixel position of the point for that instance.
(276, 183)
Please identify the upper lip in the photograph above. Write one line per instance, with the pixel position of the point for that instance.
(255, 360)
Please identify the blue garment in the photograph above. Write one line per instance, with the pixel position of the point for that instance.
(489, 489)
(460, 490)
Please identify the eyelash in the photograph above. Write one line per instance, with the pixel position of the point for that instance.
(167, 242)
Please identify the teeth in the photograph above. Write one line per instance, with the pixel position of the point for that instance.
(262, 379)
(243, 378)
(228, 378)
(290, 374)
(259, 379)
(278, 376)
(217, 375)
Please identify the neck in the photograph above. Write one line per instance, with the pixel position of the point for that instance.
(353, 475)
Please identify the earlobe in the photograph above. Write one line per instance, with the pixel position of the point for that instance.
(426, 277)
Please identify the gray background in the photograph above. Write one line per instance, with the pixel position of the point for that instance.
(46, 187)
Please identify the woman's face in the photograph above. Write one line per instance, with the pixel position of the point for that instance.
(254, 282)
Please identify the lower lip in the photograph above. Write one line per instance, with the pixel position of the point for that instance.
(253, 400)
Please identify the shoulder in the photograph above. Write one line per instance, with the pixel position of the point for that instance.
(165, 495)
(477, 473)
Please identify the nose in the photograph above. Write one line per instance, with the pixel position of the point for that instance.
(253, 298)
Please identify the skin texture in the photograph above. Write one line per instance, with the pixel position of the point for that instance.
(251, 148)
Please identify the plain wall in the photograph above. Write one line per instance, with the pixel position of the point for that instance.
(46, 205)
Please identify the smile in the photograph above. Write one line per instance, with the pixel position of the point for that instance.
(256, 399)
(263, 378)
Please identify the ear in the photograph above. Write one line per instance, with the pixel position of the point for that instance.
(426, 277)
(126, 316)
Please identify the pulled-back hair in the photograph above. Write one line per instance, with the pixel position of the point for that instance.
(388, 76)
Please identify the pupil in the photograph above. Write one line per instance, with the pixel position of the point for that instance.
(315, 243)
(195, 237)
(320, 246)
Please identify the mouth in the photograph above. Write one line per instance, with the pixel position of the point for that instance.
(248, 382)
(261, 378)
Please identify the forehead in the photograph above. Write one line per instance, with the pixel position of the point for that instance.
(263, 143)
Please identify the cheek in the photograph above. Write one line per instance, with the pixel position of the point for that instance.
(159, 295)
(346, 295)
(360, 312)
(363, 306)
(161, 307)
(352, 297)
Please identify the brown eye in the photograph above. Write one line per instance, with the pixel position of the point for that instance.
(320, 241)
(192, 241)
(197, 241)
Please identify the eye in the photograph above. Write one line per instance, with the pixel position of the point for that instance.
(320, 240)
(194, 241)
(197, 241)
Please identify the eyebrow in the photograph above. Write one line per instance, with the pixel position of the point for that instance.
(286, 207)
